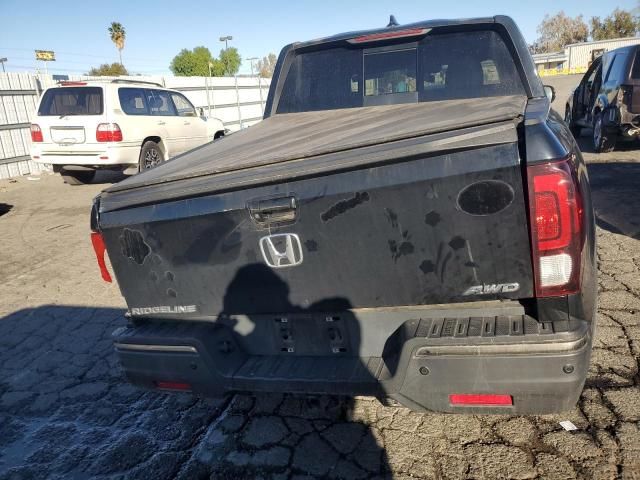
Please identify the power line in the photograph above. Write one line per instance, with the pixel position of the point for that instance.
(74, 54)
(85, 63)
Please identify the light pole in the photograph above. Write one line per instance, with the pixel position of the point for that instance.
(226, 40)
(251, 60)
(2, 60)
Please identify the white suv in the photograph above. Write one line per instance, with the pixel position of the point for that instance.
(126, 125)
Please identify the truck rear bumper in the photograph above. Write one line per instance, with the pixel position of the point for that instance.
(422, 364)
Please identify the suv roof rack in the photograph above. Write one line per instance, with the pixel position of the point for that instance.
(68, 83)
(126, 80)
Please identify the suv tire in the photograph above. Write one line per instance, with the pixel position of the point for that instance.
(603, 141)
(77, 177)
(568, 119)
(150, 155)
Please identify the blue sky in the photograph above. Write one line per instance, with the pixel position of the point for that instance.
(158, 30)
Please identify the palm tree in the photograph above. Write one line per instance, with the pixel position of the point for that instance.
(118, 35)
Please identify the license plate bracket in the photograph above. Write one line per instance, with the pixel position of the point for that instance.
(311, 334)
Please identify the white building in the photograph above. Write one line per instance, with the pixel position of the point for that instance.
(577, 57)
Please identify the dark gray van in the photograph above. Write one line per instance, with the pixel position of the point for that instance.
(608, 99)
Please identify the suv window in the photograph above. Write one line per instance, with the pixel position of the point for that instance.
(71, 101)
(184, 106)
(159, 102)
(441, 66)
(616, 71)
(132, 101)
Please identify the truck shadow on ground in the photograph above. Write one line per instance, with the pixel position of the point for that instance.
(616, 196)
(65, 410)
(109, 176)
(5, 208)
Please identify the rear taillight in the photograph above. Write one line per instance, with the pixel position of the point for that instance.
(99, 248)
(108, 132)
(556, 227)
(36, 133)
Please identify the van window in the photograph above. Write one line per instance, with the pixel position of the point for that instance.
(132, 101)
(617, 69)
(71, 101)
(160, 103)
(636, 67)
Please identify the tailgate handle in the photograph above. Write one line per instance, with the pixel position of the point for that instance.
(273, 210)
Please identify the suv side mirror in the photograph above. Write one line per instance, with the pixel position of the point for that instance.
(550, 92)
(201, 112)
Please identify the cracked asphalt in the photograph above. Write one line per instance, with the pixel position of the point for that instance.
(66, 413)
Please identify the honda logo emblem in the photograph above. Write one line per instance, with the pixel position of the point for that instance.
(281, 250)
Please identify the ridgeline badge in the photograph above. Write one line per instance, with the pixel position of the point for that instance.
(163, 309)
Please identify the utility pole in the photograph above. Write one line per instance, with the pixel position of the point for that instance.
(251, 60)
(2, 60)
(226, 47)
(206, 85)
(226, 40)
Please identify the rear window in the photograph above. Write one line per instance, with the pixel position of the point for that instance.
(441, 66)
(71, 101)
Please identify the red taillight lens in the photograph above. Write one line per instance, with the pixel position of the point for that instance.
(556, 233)
(36, 133)
(98, 246)
(108, 132)
(480, 399)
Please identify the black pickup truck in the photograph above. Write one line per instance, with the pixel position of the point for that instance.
(409, 221)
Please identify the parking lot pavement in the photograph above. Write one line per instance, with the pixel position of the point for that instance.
(65, 411)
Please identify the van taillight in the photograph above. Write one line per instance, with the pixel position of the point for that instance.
(556, 227)
(108, 132)
(626, 96)
(36, 133)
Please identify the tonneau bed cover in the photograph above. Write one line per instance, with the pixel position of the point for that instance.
(301, 135)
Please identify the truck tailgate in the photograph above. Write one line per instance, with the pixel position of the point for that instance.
(432, 219)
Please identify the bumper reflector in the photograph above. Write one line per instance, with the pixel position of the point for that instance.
(173, 386)
(480, 399)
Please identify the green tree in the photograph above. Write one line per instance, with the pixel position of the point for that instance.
(118, 36)
(619, 24)
(189, 63)
(196, 62)
(230, 60)
(267, 65)
(559, 30)
(113, 70)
